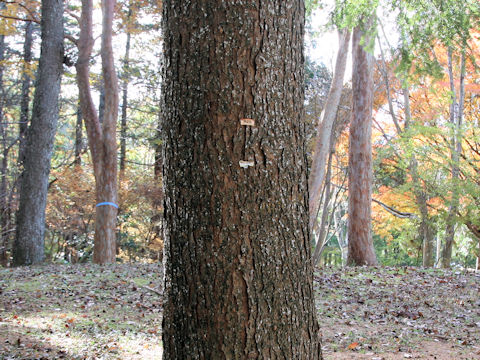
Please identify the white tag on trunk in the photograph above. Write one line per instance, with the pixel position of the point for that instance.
(245, 164)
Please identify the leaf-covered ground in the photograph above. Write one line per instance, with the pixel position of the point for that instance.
(399, 313)
(114, 312)
(80, 312)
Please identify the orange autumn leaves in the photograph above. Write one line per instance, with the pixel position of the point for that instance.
(428, 139)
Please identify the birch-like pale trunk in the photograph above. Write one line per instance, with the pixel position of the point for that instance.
(324, 129)
(456, 117)
(320, 244)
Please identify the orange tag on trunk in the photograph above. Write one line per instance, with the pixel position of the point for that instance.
(247, 122)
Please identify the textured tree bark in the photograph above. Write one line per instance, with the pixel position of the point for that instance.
(322, 144)
(29, 240)
(101, 136)
(25, 97)
(360, 244)
(238, 280)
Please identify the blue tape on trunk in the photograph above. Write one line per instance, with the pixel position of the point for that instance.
(107, 203)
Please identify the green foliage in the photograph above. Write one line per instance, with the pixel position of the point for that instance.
(423, 24)
(311, 6)
(352, 13)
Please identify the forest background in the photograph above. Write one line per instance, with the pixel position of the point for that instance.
(425, 140)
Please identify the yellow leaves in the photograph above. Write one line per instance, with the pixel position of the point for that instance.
(9, 22)
(386, 224)
(14, 14)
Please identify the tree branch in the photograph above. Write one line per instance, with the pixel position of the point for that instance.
(395, 212)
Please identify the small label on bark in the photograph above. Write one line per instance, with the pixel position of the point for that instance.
(247, 122)
(245, 164)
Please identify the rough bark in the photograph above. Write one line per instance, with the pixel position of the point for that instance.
(101, 136)
(325, 126)
(360, 245)
(456, 117)
(238, 280)
(29, 240)
(25, 97)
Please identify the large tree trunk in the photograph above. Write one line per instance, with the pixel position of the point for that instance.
(324, 128)
(101, 136)
(238, 283)
(25, 98)
(456, 117)
(29, 240)
(360, 244)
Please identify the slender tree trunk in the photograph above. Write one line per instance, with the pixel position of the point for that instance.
(126, 77)
(25, 97)
(477, 265)
(101, 136)
(29, 239)
(158, 166)
(322, 144)
(236, 207)
(101, 102)
(475, 230)
(456, 117)
(78, 137)
(320, 244)
(426, 228)
(4, 213)
(360, 244)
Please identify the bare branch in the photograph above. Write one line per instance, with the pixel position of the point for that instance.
(395, 212)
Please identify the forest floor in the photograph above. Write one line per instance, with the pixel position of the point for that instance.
(114, 312)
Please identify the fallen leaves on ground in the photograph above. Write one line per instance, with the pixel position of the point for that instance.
(81, 312)
(114, 312)
(397, 313)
